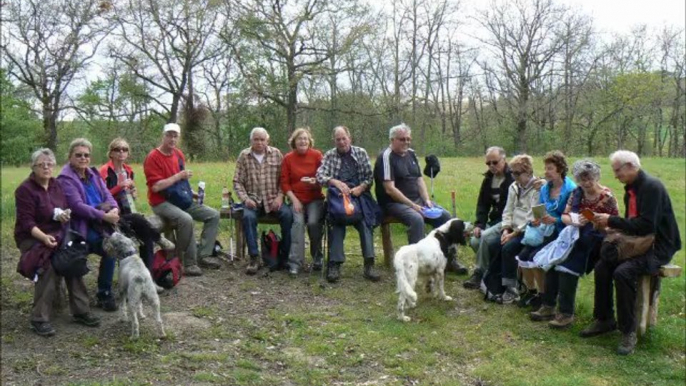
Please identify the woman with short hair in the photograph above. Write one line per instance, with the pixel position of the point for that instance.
(41, 217)
(298, 182)
(561, 280)
(94, 211)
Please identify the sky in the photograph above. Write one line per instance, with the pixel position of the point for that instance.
(619, 16)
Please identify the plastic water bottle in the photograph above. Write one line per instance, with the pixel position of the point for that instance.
(225, 198)
(201, 192)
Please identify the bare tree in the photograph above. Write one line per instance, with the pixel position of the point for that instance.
(524, 39)
(49, 43)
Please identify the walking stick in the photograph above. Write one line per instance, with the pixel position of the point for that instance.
(452, 198)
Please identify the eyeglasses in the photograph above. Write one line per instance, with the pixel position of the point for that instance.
(492, 163)
(45, 165)
(82, 155)
(120, 149)
(517, 174)
(404, 139)
(618, 168)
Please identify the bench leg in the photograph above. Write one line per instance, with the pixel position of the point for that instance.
(387, 243)
(240, 243)
(642, 304)
(654, 300)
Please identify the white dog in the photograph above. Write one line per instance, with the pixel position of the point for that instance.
(135, 282)
(427, 259)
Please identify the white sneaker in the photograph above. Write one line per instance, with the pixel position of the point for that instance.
(509, 296)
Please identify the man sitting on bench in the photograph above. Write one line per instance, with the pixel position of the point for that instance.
(648, 211)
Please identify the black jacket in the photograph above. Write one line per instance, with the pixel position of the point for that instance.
(655, 215)
(488, 212)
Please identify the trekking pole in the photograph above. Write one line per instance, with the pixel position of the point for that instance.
(452, 199)
(433, 199)
(231, 228)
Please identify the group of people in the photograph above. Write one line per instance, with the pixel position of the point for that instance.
(513, 244)
(520, 219)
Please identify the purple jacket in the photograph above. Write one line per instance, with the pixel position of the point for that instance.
(81, 212)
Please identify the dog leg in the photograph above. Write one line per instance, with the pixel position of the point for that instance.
(401, 308)
(134, 304)
(123, 305)
(440, 278)
(158, 317)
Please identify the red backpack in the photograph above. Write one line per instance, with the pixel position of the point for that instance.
(166, 273)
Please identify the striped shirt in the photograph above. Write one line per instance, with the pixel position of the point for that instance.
(331, 166)
(258, 181)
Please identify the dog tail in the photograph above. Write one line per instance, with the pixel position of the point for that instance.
(403, 286)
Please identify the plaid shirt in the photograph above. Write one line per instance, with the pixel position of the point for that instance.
(331, 166)
(258, 181)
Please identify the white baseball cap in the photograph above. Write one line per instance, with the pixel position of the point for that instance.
(172, 127)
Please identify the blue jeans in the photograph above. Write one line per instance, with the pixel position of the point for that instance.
(337, 238)
(106, 270)
(250, 216)
(414, 220)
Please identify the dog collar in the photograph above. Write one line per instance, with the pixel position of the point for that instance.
(129, 253)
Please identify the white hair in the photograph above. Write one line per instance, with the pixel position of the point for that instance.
(395, 129)
(258, 130)
(626, 157)
(500, 150)
(42, 152)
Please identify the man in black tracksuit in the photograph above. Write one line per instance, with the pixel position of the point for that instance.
(648, 211)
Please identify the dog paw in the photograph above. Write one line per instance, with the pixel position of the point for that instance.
(404, 318)
(448, 298)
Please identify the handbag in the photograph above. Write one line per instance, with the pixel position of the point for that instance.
(343, 209)
(535, 235)
(180, 194)
(626, 246)
(71, 258)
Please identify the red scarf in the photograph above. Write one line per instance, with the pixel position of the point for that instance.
(633, 209)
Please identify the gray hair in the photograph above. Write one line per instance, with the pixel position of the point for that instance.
(345, 129)
(500, 150)
(42, 152)
(585, 168)
(395, 129)
(258, 130)
(626, 157)
(80, 142)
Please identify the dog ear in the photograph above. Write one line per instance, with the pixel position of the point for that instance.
(443, 242)
(457, 232)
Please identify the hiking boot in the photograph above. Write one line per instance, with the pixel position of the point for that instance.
(561, 321)
(628, 344)
(253, 265)
(509, 296)
(210, 263)
(333, 272)
(317, 265)
(369, 271)
(474, 281)
(598, 327)
(87, 319)
(526, 298)
(543, 313)
(42, 328)
(192, 270)
(454, 266)
(106, 302)
(165, 244)
(293, 271)
(536, 302)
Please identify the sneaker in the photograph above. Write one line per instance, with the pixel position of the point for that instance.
(317, 265)
(293, 272)
(210, 263)
(474, 281)
(628, 344)
(42, 328)
(542, 314)
(253, 265)
(106, 302)
(333, 272)
(509, 296)
(526, 298)
(192, 270)
(561, 321)
(599, 327)
(87, 319)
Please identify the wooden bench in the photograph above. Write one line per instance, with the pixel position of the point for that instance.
(648, 297)
(237, 217)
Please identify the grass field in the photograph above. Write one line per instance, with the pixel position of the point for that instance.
(230, 329)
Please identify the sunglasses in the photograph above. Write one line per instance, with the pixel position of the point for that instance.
(82, 155)
(492, 163)
(120, 149)
(404, 139)
(45, 165)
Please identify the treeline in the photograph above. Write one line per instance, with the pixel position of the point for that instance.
(529, 75)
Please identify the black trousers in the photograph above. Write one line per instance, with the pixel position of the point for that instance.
(560, 287)
(624, 275)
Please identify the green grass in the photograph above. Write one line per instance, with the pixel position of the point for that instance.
(348, 333)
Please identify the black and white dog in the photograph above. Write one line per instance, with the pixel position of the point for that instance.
(135, 282)
(426, 259)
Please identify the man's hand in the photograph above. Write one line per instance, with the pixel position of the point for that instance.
(342, 187)
(476, 232)
(357, 191)
(276, 204)
(506, 236)
(417, 208)
(250, 204)
(538, 184)
(185, 174)
(429, 204)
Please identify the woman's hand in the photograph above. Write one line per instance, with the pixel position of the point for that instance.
(297, 205)
(506, 236)
(49, 241)
(548, 219)
(112, 216)
(126, 184)
(64, 216)
(535, 222)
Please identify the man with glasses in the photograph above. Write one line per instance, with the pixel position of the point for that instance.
(489, 211)
(648, 211)
(401, 191)
(165, 166)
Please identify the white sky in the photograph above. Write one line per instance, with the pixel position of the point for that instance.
(618, 16)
